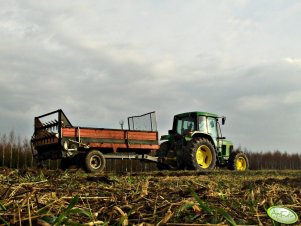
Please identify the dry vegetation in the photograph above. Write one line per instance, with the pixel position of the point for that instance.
(218, 197)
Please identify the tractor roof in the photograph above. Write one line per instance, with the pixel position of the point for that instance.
(198, 113)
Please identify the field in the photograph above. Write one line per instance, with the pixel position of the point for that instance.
(218, 197)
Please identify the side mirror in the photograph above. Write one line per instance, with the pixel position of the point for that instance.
(223, 120)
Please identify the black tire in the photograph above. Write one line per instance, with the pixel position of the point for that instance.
(94, 161)
(200, 154)
(238, 161)
(162, 153)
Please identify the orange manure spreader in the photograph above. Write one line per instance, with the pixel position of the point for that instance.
(56, 138)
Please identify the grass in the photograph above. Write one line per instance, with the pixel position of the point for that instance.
(156, 198)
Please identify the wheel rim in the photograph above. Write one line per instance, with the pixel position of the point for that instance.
(95, 162)
(241, 164)
(204, 156)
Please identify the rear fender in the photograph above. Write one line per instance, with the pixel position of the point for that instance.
(203, 135)
(165, 137)
(171, 137)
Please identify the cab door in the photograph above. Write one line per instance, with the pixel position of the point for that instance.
(212, 130)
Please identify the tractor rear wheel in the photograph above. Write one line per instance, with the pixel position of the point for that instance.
(238, 161)
(94, 161)
(200, 154)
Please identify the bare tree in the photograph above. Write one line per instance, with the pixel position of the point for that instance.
(18, 151)
(24, 151)
(4, 142)
(12, 140)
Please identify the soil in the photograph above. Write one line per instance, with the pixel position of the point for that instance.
(216, 197)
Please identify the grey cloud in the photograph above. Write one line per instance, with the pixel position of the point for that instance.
(95, 69)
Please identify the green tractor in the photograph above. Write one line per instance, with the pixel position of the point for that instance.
(196, 143)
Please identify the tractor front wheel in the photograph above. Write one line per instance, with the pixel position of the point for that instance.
(200, 154)
(238, 161)
(94, 161)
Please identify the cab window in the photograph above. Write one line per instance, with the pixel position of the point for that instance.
(202, 122)
(212, 129)
(185, 125)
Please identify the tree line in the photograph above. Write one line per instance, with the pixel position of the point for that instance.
(15, 152)
(274, 160)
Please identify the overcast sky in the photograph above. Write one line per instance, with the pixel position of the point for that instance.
(101, 61)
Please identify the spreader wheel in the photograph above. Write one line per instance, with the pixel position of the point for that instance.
(95, 161)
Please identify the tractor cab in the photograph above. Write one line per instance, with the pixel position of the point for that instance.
(196, 142)
(187, 124)
(192, 124)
